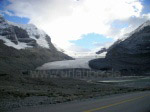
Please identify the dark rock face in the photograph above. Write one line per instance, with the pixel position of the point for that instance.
(101, 51)
(22, 36)
(7, 30)
(52, 48)
(20, 33)
(15, 34)
(132, 54)
(29, 58)
(9, 34)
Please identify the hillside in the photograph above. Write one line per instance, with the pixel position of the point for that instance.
(25, 47)
(129, 55)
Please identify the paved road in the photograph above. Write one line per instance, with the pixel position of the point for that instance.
(131, 102)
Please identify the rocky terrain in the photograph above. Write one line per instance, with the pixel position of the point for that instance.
(25, 47)
(102, 50)
(129, 55)
(29, 91)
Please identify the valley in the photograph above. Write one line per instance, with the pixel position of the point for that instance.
(34, 72)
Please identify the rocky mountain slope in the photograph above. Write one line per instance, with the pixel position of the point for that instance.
(102, 50)
(131, 54)
(25, 47)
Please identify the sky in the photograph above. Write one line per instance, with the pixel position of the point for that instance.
(79, 26)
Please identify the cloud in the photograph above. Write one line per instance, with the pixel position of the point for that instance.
(2, 12)
(66, 20)
(133, 22)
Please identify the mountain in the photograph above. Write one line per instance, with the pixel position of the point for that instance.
(102, 50)
(25, 47)
(129, 55)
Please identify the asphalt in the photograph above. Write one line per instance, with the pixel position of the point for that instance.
(130, 102)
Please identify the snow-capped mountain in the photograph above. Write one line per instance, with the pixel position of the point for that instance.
(147, 23)
(21, 36)
(136, 36)
(130, 54)
(25, 47)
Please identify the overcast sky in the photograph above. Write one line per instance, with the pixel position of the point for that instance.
(79, 26)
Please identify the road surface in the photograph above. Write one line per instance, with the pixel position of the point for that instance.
(130, 102)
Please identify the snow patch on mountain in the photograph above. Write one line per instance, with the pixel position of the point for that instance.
(38, 35)
(34, 33)
(20, 45)
(32, 36)
(59, 49)
(147, 23)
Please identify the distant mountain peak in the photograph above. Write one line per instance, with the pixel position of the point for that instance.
(2, 20)
(21, 36)
(102, 50)
(147, 23)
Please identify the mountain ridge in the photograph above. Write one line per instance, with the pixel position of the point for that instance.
(25, 47)
(131, 54)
